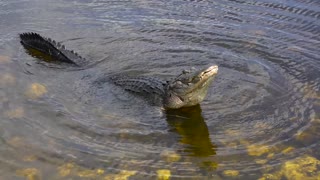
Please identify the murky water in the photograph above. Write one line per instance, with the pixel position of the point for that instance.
(260, 119)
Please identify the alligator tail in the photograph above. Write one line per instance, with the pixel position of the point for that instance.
(51, 48)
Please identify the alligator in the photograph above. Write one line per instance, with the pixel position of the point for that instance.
(187, 89)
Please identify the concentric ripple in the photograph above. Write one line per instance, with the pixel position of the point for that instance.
(259, 120)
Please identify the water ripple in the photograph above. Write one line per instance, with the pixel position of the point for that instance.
(261, 113)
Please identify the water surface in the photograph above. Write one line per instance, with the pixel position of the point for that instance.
(260, 119)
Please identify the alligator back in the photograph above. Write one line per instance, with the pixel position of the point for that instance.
(150, 88)
(142, 85)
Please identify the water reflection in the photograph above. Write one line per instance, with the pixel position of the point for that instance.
(191, 126)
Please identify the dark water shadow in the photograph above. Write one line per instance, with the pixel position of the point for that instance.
(191, 126)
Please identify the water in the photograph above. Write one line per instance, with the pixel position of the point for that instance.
(260, 119)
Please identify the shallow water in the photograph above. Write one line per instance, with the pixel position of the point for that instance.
(259, 120)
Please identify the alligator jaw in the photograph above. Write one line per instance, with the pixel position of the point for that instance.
(210, 71)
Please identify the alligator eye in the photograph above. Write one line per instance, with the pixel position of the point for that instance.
(185, 71)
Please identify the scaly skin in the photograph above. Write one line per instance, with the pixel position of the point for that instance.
(188, 89)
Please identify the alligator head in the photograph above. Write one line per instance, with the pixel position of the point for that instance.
(189, 88)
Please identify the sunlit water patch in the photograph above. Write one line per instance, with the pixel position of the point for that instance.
(259, 120)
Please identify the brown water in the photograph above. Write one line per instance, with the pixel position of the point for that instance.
(260, 119)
